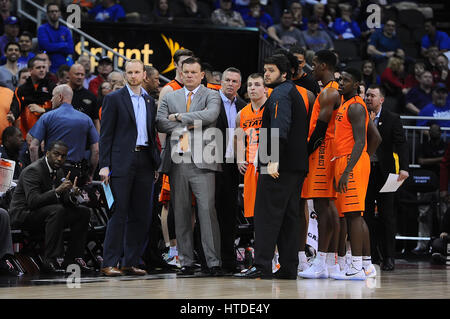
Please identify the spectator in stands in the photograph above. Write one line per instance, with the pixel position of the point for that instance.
(26, 45)
(74, 128)
(105, 67)
(5, 13)
(439, 245)
(23, 75)
(431, 60)
(304, 79)
(432, 150)
(107, 11)
(118, 86)
(345, 27)
(55, 38)
(256, 17)
(105, 89)
(319, 15)
(162, 13)
(83, 100)
(44, 56)
(44, 199)
(392, 77)
(85, 61)
(420, 95)
(316, 39)
(413, 79)
(115, 77)
(33, 98)
(442, 74)
(369, 73)
(383, 43)
(191, 9)
(438, 108)
(300, 22)
(433, 37)
(151, 82)
(11, 32)
(63, 74)
(226, 16)
(8, 72)
(285, 33)
(12, 143)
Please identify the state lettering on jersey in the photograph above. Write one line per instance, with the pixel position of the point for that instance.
(252, 123)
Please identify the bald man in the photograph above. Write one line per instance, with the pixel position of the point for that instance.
(74, 128)
(83, 100)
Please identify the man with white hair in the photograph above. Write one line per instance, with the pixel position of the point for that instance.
(74, 128)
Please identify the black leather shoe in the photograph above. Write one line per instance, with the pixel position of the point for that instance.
(186, 271)
(85, 269)
(216, 271)
(51, 266)
(388, 264)
(253, 273)
(284, 275)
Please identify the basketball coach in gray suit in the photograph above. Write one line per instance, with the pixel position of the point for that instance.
(191, 168)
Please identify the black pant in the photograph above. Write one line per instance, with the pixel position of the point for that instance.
(381, 226)
(54, 218)
(127, 229)
(277, 221)
(227, 186)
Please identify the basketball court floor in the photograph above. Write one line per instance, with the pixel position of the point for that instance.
(410, 280)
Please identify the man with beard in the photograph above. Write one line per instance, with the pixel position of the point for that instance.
(8, 72)
(44, 200)
(277, 209)
(129, 158)
(54, 38)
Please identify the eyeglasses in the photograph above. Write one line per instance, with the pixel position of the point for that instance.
(53, 11)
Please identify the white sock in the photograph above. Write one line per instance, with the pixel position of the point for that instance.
(341, 262)
(302, 257)
(173, 251)
(366, 262)
(357, 262)
(331, 259)
(275, 258)
(322, 258)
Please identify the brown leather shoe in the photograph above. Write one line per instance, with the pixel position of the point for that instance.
(111, 272)
(134, 271)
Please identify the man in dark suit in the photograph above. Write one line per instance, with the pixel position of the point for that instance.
(277, 203)
(381, 222)
(227, 181)
(44, 198)
(129, 158)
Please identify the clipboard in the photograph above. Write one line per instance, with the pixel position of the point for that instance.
(108, 194)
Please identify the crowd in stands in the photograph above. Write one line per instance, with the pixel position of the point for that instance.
(34, 62)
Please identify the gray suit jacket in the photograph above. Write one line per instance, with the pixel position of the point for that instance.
(205, 107)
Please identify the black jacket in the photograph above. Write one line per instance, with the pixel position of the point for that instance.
(118, 133)
(394, 140)
(26, 94)
(222, 121)
(286, 111)
(35, 190)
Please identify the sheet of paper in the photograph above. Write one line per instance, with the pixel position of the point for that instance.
(6, 174)
(391, 184)
(108, 194)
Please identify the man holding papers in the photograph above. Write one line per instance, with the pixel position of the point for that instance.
(129, 158)
(383, 162)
